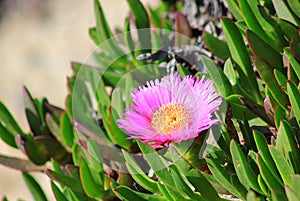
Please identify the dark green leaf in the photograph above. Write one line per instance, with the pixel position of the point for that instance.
(241, 58)
(244, 173)
(88, 183)
(59, 196)
(218, 47)
(128, 194)
(293, 62)
(294, 96)
(8, 120)
(7, 136)
(266, 72)
(67, 181)
(268, 177)
(263, 50)
(283, 166)
(230, 182)
(262, 147)
(138, 174)
(142, 22)
(66, 129)
(34, 187)
(181, 185)
(221, 82)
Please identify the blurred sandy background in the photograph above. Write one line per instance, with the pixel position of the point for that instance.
(38, 39)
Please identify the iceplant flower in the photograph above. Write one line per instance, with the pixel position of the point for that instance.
(170, 110)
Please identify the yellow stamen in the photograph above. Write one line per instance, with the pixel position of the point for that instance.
(170, 116)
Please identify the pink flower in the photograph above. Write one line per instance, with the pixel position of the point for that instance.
(171, 110)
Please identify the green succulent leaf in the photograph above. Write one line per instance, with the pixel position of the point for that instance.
(286, 144)
(34, 187)
(262, 147)
(294, 63)
(7, 136)
(67, 181)
(138, 174)
(243, 170)
(59, 196)
(284, 12)
(230, 182)
(263, 50)
(282, 165)
(240, 57)
(291, 195)
(295, 182)
(125, 193)
(8, 120)
(233, 6)
(220, 80)
(19, 164)
(218, 47)
(295, 6)
(142, 22)
(182, 186)
(266, 72)
(269, 178)
(66, 129)
(294, 96)
(88, 183)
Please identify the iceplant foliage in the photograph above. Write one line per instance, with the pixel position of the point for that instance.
(171, 110)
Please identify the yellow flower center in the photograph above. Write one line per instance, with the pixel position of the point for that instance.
(170, 116)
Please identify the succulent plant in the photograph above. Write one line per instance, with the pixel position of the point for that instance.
(252, 55)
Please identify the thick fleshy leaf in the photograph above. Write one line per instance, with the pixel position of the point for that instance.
(233, 6)
(230, 182)
(157, 163)
(88, 183)
(240, 57)
(220, 80)
(284, 12)
(59, 196)
(295, 6)
(138, 174)
(239, 110)
(266, 72)
(32, 113)
(263, 50)
(295, 182)
(288, 29)
(269, 178)
(67, 181)
(218, 47)
(283, 166)
(19, 164)
(251, 20)
(294, 96)
(8, 120)
(7, 136)
(291, 195)
(281, 79)
(286, 144)
(182, 186)
(66, 129)
(293, 62)
(262, 147)
(244, 173)
(125, 193)
(142, 22)
(34, 187)
(258, 110)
